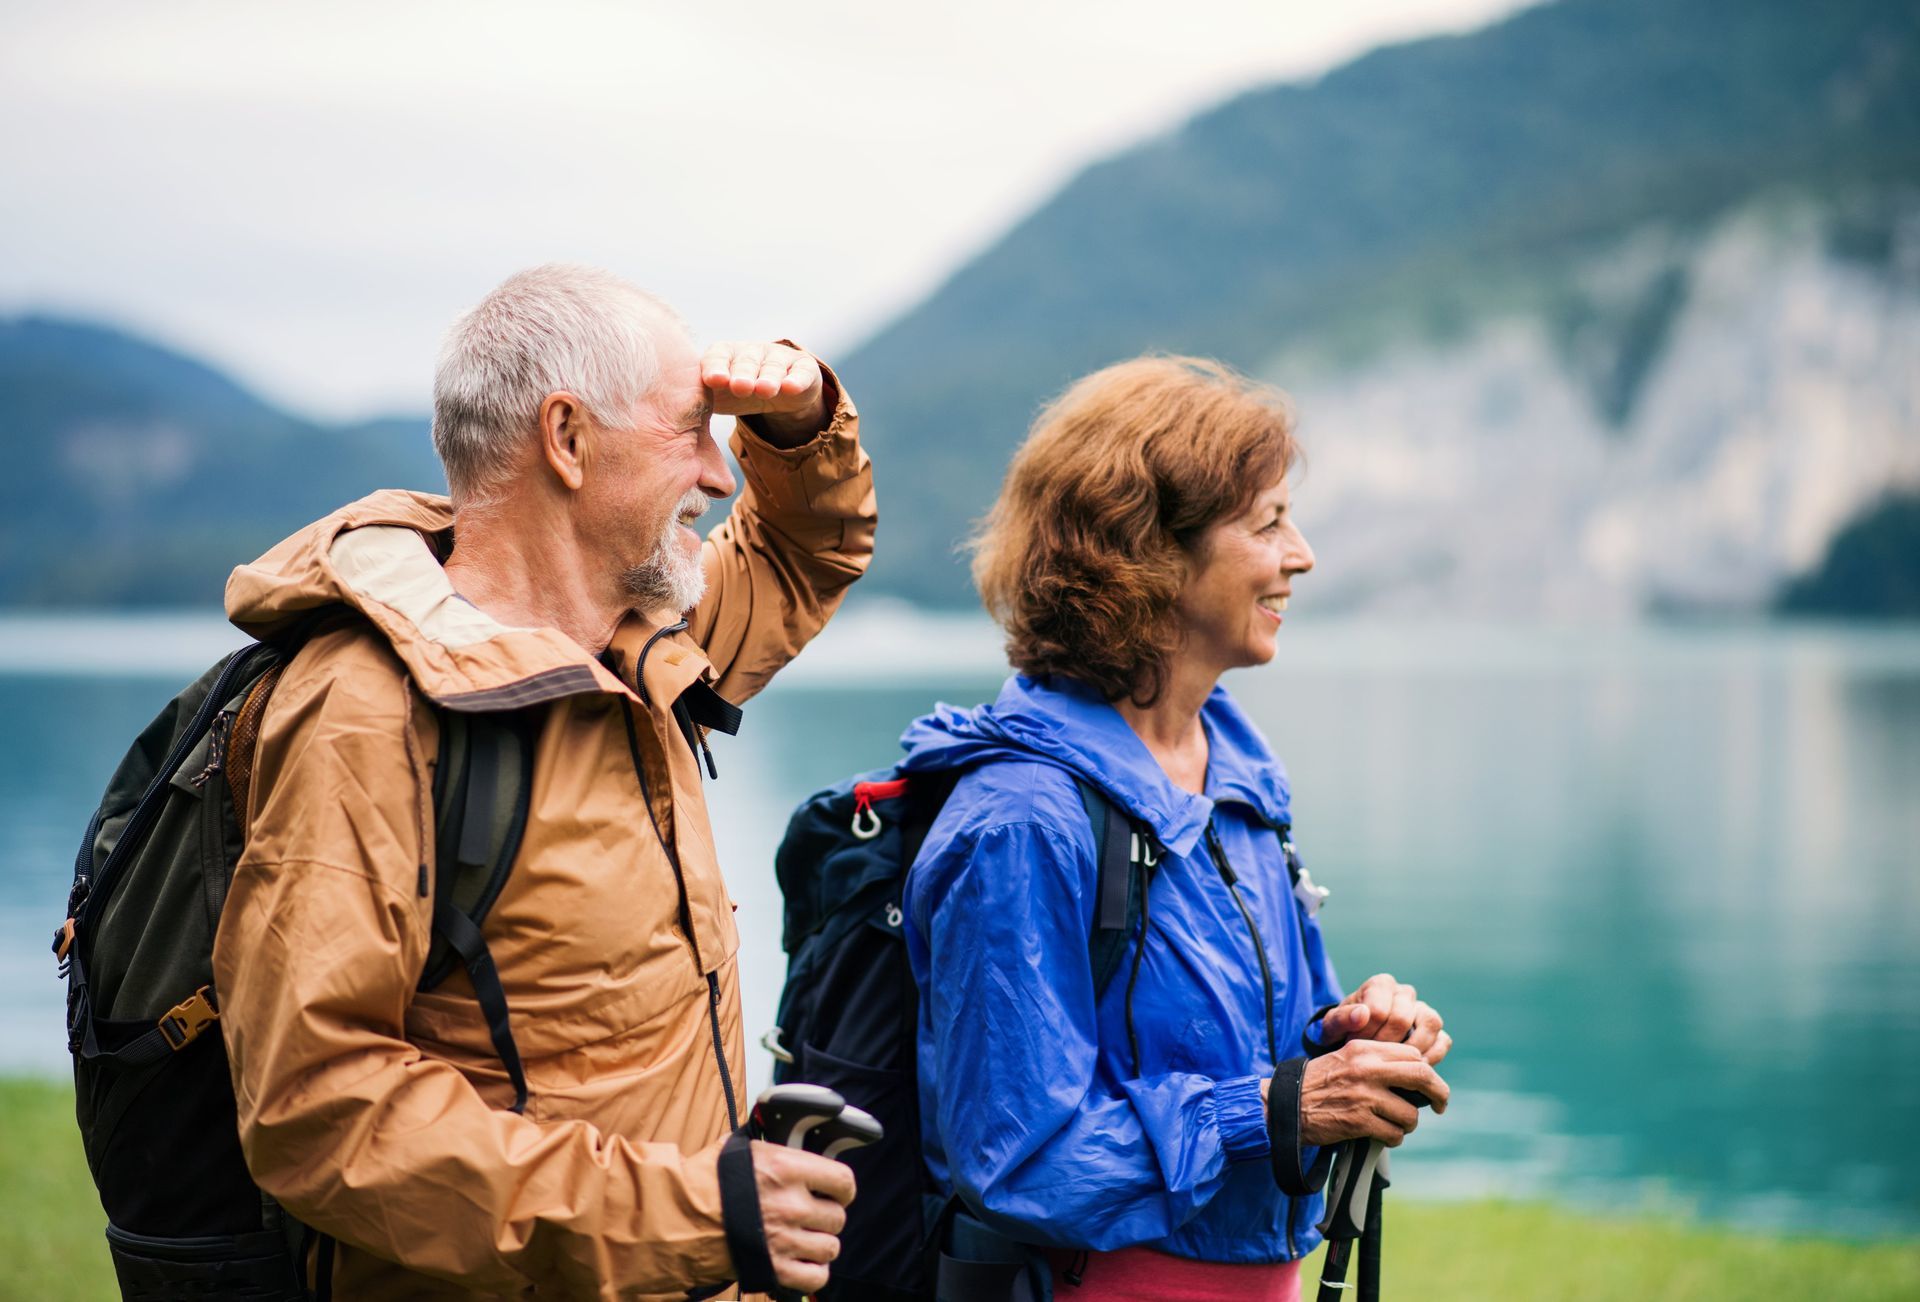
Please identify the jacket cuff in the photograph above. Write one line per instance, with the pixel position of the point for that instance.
(740, 1210)
(840, 418)
(1241, 1116)
(1299, 1169)
(828, 474)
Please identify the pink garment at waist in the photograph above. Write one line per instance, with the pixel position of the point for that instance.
(1144, 1275)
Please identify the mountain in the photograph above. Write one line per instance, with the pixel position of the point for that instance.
(1683, 422)
(1609, 309)
(1499, 272)
(138, 476)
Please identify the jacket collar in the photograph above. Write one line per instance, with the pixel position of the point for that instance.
(1064, 722)
(381, 557)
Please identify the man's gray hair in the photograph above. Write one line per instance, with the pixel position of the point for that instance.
(557, 327)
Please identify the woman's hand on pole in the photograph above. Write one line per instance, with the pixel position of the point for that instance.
(1389, 1011)
(1349, 1093)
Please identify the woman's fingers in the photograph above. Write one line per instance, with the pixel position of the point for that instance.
(1426, 1027)
(1396, 1111)
(1343, 1022)
(1442, 1046)
(1416, 1075)
(1376, 993)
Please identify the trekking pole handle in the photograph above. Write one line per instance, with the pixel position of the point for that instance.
(783, 1114)
(812, 1118)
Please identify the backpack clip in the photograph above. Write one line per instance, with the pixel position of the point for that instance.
(771, 1043)
(181, 1025)
(63, 945)
(866, 822)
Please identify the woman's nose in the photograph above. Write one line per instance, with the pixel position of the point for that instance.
(1299, 557)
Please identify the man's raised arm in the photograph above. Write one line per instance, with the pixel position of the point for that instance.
(802, 529)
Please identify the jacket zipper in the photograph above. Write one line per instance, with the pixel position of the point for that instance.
(679, 877)
(646, 794)
(1232, 879)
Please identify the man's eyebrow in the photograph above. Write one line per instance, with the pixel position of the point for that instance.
(698, 413)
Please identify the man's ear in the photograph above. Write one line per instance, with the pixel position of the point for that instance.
(566, 437)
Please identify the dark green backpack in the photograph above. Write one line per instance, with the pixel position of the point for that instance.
(154, 1098)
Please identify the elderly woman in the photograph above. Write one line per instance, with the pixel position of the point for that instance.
(1152, 1130)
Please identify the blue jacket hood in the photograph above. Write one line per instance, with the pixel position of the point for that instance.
(1063, 722)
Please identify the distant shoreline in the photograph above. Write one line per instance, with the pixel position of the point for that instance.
(891, 641)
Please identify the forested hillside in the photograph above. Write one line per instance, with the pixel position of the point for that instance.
(1404, 203)
(1611, 307)
(138, 476)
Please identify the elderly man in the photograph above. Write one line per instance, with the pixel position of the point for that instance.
(561, 582)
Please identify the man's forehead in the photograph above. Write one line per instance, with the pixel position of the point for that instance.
(680, 390)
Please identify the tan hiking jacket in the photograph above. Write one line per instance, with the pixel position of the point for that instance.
(379, 1115)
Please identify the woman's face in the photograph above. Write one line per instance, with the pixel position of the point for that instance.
(1244, 571)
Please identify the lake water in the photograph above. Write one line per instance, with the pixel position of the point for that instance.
(1663, 884)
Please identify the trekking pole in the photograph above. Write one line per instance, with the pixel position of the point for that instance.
(1354, 1194)
(1370, 1240)
(814, 1118)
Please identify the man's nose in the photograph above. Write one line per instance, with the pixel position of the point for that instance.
(716, 476)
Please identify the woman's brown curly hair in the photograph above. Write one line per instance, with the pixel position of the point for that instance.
(1084, 555)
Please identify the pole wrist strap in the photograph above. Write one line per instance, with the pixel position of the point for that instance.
(740, 1210)
(1291, 1172)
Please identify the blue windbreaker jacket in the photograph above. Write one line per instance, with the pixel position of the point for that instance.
(1030, 1107)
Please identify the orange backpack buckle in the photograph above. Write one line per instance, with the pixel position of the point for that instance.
(182, 1024)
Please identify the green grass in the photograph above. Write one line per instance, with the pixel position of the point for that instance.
(1436, 1252)
(51, 1245)
(51, 1249)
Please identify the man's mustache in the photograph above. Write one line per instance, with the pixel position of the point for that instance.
(691, 507)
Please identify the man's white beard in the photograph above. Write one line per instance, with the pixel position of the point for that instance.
(670, 579)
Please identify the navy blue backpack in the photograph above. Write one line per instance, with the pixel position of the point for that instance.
(848, 1013)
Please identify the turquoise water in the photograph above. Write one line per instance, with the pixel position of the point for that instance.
(1664, 884)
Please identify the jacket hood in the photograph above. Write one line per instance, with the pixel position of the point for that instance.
(1066, 724)
(381, 556)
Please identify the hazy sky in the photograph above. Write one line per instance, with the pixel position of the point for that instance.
(307, 194)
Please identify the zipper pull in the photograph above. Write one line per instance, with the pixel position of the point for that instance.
(216, 746)
(1220, 860)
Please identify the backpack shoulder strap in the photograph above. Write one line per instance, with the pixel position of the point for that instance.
(482, 788)
(243, 741)
(1120, 892)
